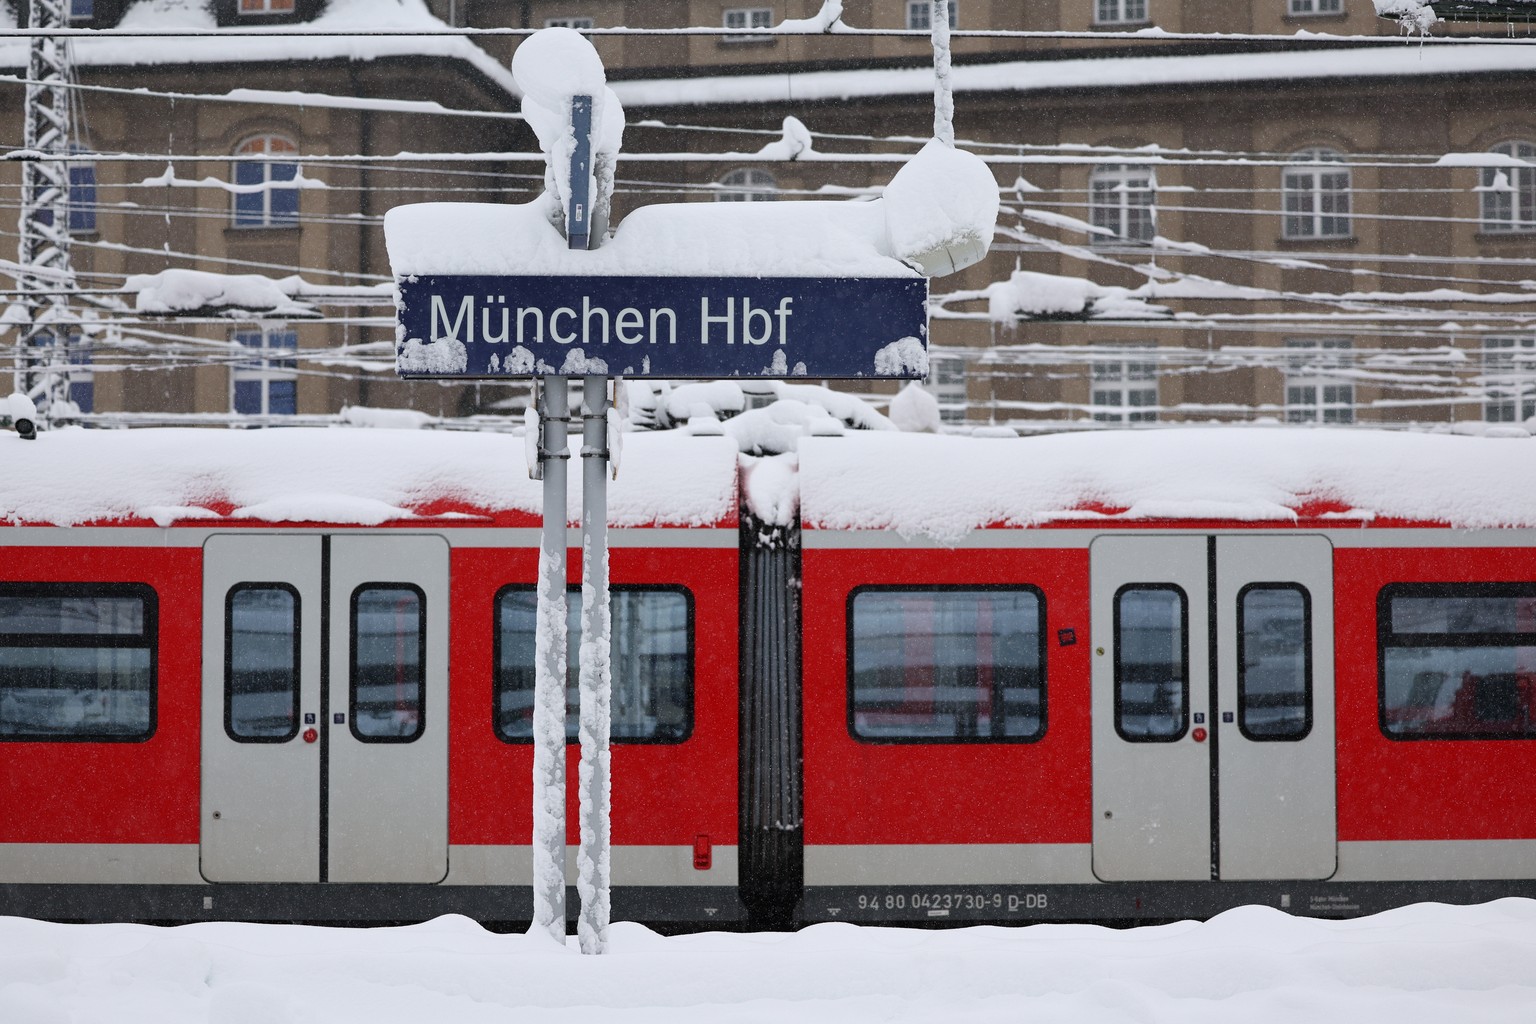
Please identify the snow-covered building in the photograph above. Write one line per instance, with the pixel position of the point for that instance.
(1204, 216)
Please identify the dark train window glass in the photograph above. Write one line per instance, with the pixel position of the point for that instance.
(1457, 661)
(77, 662)
(261, 669)
(1151, 663)
(1274, 661)
(946, 665)
(389, 640)
(651, 664)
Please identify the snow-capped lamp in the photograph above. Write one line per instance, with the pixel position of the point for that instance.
(20, 414)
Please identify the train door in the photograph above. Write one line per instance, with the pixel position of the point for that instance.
(325, 740)
(1197, 773)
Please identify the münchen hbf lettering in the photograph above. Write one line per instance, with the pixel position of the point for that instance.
(496, 322)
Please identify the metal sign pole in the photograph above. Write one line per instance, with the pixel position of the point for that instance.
(549, 669)
(592, 860)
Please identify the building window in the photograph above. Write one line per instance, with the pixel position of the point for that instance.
(77, 661)
(1457, 661)
(740, 19)
(1312, 394)
(1120, 12)
(1316, 195)
(651, 657)
(576, 23)
(82, 10)
(1122, 199)
(82, 380)
(261, 163)
(267, 384)
(920, 14)
(1303, 8)
(1509, 379)
(1509, 193)
(82, 198)
(747, 185)
(266, 6)
(946, 665)
(946, 382)
(1125, 389)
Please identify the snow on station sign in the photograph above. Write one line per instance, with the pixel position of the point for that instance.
(484, 327)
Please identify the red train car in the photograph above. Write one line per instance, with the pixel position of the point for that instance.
(1156, 675)
(288, 675)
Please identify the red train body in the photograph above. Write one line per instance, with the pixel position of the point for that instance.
(217, 703)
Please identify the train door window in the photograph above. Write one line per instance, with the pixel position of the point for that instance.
(946, 665)
(1457, 661)
(77, 662)
(389, 640)
(651, 658)
(1151, 662)
(1274, 661)
(261, 663)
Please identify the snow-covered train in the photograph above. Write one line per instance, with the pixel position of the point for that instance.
(286, 675)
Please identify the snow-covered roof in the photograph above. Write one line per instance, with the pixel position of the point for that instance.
(276, 42)
(364, 477)
(1409, 59)
(943, 487)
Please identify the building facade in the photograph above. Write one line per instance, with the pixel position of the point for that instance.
(1257, 227)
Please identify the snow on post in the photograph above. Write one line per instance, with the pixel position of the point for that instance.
(551, 68)
(943, 92)
(592, 859)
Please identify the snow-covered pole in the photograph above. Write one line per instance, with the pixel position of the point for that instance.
(592, 860)
(943, 94)
(549, 670)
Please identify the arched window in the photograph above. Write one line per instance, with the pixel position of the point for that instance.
(1316, 195)
(1122, 199)
(1509, 193)
(260, 163)
(747, 185)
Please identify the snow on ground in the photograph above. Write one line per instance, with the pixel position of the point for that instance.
(1426, 964)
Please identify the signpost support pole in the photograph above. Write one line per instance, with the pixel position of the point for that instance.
(596, 677)
(549, 671)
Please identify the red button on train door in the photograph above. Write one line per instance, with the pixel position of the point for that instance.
(310, 735)
(1199, 735)
(703, 853)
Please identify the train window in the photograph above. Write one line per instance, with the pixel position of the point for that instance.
(77, 662)
(946, 665)
(389, 641)
(1274, 661)
(1457, 661)
(261, 663)
(651, 656)
(1151, 662)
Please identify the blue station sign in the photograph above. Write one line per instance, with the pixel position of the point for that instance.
(484, 328)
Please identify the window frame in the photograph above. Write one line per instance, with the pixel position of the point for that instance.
(691, 636)
(564, 21)
(1302, 372)
(269, 364)
(1123, 383)
(748, 32)
(1183, 654)
(1501, 356)
(1384, 632)
(267, 8)
(229, 659)
(149, 639)
(1314, 9)
(764, 189)
(1522, 182)
(1301, 177)
(266, 158)
(1043, 650)
(421, 659)
(76, 16)
(926, 9)
(1306, 649)
(81, 206)
(1122, 178)
(1121, 14)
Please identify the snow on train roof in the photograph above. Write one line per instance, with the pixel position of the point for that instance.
(363, 477)
(942, 487)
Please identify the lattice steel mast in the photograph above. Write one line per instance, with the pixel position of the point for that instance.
(42, 369)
